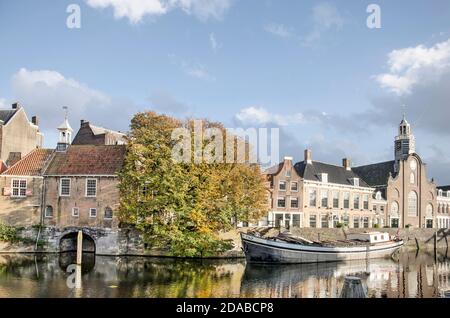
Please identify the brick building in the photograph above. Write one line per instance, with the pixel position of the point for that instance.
(18, 135)
(70, 186)
(396, 193)
(89, 134)
(22, 189)
(443, 207)
(81, 186)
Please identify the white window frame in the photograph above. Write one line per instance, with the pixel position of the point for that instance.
(294, 182)
(60, 187)
(310, 194)
(323, 196)
(19, 188)
(45, 212)
(294, 199)
(112, 212)
(78, 212)
(279, 185)
(90, 212)
(96, 188)
(285, 201)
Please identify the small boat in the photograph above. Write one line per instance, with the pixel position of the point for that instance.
(291, 250)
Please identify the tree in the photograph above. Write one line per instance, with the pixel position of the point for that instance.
(184, 205)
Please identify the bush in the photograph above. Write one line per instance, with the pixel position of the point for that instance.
(8, 233)
(376, 226)
(408, 226)
(339, 225)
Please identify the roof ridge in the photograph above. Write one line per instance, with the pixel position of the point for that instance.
(48, 162)
(107, 129)
(329, 164)
(37, 151)
(26, 156)
(376, 163)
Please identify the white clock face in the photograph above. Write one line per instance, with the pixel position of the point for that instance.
(413, 165)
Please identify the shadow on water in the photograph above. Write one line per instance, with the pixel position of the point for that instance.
(68, 258)
(46, 275)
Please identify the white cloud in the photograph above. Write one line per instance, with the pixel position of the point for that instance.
(45, 92)
(203, 9)
(136, 10)
(325, 17)
(260, 116)
(279, 30)
(413, 66)
(215, 45)
(193, 69)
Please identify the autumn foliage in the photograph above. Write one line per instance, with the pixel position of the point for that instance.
(184, 206)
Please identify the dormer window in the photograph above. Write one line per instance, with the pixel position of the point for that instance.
(440, 193)
(356, 182)
(324, 177)
(378, 195)
(448, 194)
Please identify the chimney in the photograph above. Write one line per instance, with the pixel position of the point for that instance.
(83, 122)
(16, 106)
(35, 120)
(346, 164)
(308, 156)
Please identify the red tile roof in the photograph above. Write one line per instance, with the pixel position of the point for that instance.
(32, 164)
(87, 160)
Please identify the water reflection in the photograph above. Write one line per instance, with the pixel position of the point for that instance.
(410, 275)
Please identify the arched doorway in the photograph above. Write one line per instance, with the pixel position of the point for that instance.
(68, 243)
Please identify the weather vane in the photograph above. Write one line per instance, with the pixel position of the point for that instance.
(404, 110)
(66, 109)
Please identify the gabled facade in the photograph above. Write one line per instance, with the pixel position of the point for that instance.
(410, 195)
(443, 207)
(81, 187)
(395, 193)
(95, 135)
(22, 189)
(324, 195)
(70, 186)
(18, 135)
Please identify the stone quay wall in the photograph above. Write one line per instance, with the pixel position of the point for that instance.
(130, 242)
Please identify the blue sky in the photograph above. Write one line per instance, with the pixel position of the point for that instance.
(313, 68)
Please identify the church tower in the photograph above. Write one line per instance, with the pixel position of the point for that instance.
(65, 134)
(405, 143)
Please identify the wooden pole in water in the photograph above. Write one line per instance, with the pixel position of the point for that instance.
(79, 247)
(353, 288)
(435, 242)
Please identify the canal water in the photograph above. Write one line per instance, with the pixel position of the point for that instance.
(409, 275)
